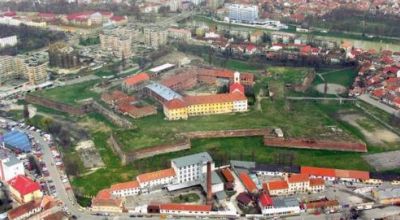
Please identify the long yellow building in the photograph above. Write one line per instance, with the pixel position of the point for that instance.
(205, 105)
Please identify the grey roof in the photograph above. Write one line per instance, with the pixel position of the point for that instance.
(285, 202)
(215, 179)
(163, 91)
(276, 168)
(388, 193)
(203, 157)
(12, 160)
(243, 164)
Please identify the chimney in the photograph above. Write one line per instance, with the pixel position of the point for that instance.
(208, 183)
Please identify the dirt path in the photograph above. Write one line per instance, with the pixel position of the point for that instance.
(333, 89)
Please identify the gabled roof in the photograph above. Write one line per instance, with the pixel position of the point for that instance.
(136, 79)
(23, 209)
(24, 185)
(317, 182)
(104, 198)
(277, 185)
(185, 207)
(146, 177)
(317, 171)
(126, 185)
(18, 140)
(175, 104)
(248, 182)
(236, 87)
(227, 173)
(298, 178)
(265, 200)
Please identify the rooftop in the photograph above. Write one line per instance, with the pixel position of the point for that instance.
(126, 185)
(146, 177)
(161, 68)
(18, 140)
(24, 185)
(136, 79)
(248, 182)
(279, 202)
(185, 207)
(199, 158)
(298, 178)
(163, 91)
(277, 185)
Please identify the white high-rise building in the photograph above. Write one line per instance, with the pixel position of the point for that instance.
(191, 168)
(10, 166)
(243, 13)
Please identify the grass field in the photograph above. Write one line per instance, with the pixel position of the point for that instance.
(344, 77)
(289, 74)
(70, 94)
(186, 198)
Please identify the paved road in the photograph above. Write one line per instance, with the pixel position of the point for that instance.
(366, 98)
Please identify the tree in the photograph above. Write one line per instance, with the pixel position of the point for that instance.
(26, 112)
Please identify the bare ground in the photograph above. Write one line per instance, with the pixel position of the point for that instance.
(377, 135)
(333, 89)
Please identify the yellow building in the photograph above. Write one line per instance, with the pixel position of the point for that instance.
(205, 105)
(24, 189)
(105, 202)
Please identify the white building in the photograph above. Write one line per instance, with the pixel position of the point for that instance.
(281, 207)
(243, 13)
(160, 178)
(185, 209)
(130, 188)
(10, 166)
(191, 168)
(8, 41)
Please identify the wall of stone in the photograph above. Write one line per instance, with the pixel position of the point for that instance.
(228, 133)
(62, 107)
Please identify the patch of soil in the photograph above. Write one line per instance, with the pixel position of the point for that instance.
(333, 89)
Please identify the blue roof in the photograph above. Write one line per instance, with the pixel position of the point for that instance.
(17, 140)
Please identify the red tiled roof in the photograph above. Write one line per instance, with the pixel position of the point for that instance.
(126, 185)
(227, 175)
(248, 182)
(185, 207)
(217, 98)
(265, 200)
(23, 209)
(236, 87)
(146, 177)
(317, 182)
(118, 18)
(79, 15)
(378, 92)
(322, 204)
(317, 171)
(24, 185)
(104, 198)
(135, 79)
(174, 104)
(298, 178)
(10, 13)
(354, 174)
(277, 185)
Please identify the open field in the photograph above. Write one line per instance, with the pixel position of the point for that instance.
(289, 74)
(70, 94)
(373, 132)
(342, 77)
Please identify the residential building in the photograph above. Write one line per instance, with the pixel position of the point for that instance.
(135, 82)
(24, 189)
(277, 188)
(179, 34)
(275, 170)
(294, 184)
(191, 168)
(185, 209)
(10, 166)
(298, 183)
(63, 56)
(256, 37)
(118, 43)
(130, 188)
(281, 207)
(7, 69)
(335, 174)
(155, 37)
(105, 202)
(323, 204)
(35, 209)
(9, 41)
(387, 195)
(243, 13)
(248, 183)
(156, 179)
(87, 18)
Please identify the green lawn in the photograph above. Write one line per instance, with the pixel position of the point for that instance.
(343, 77)
(240, 66)
(70, 94)
(289, 74)
(186, 198)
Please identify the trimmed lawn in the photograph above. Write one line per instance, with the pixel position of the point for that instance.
(241, 66)
(289, 74)
(344, 77)
(71, 94)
